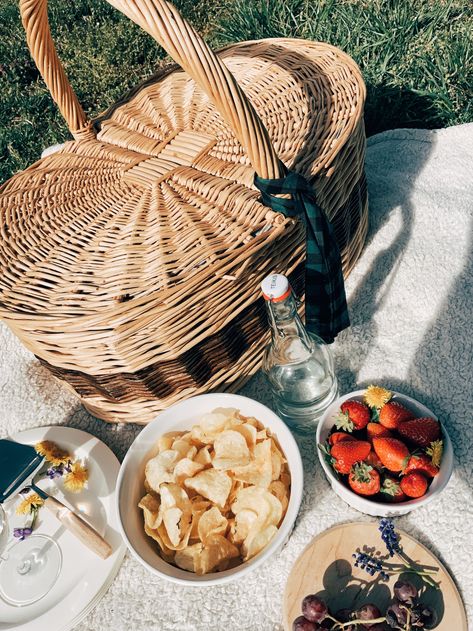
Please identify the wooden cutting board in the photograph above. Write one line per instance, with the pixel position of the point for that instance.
(326, 568)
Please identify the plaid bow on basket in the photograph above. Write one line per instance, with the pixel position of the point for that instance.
(326, 309)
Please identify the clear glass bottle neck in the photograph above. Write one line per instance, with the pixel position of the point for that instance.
(285, 321)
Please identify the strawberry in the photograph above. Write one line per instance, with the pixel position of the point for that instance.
(336, 437)
(353, 415)
(392, 414)
(392, 452)
(391, 490)
(375, 429)
(420, 431)
(363, 479)
(423, 464)
(373, 460)
(347, 452)
(414, 484)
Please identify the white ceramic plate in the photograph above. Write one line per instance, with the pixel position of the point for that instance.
(84, 577)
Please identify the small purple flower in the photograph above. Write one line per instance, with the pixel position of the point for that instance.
(389, 536)
(55, 472)
(22, 533)
(369, 564)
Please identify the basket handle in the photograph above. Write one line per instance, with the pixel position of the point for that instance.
(163, 22)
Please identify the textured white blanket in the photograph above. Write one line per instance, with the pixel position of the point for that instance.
(410, 298)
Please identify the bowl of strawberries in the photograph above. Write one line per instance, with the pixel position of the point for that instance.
(383, 452)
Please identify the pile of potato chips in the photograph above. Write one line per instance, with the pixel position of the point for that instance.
(217, 494)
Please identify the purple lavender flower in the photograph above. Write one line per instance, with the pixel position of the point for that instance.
(22, 533)
(369, 564)
(389, 536)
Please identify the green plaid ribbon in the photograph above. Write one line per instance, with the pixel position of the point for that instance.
(326, 309)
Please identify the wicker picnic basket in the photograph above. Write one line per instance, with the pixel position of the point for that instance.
(130, 260)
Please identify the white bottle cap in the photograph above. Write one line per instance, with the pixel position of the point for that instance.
(275, 287)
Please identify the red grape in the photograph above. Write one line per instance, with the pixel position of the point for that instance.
(367, 612)
(314, 608)
(428, 617)
(396, 615)
(405, 592)
(302, 624)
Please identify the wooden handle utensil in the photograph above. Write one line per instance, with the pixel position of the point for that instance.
(81, 529)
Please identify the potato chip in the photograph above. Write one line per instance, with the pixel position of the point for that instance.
(248, 432)
(173, 495)
(186, 468)
(203, 456)
(183, 447)
(251, 420)
(186, 558)
(236, 486)
(212, 484)
(241, 526)
(152, 515)
(209, 428)
(216, 549)
(191, 454)
(212, 522)
(267, 507)
(227, 412)
(154, 534)
(196, 515)
(160, 469)
(278, 489)
(176, 510)
(166, 440)
(259, 472)
(231, 450)
(255, 543)
(199, 503)
(172, 519)
(285, 478)
(276, 465)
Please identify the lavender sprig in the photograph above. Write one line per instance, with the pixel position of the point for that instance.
(389, 536)
(392, 542)
(370, 564)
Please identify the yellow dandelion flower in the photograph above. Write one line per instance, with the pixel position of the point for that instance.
(376, 397)
(52, 453)
(77, 477)
(435, 451)
(30, 503)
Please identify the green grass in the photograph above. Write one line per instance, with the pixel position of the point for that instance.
(416, 57)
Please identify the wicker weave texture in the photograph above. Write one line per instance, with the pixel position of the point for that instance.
(130, 260)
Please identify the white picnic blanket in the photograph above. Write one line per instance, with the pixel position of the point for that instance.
(410, 297)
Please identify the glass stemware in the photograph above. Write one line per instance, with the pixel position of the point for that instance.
(28, 568)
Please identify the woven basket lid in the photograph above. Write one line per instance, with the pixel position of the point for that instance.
(154, 203)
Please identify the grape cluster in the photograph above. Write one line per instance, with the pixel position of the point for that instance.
(405, 613)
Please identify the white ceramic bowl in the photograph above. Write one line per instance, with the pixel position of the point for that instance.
(371, 507)
(130, 488)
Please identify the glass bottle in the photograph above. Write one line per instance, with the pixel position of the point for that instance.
(298, 364)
